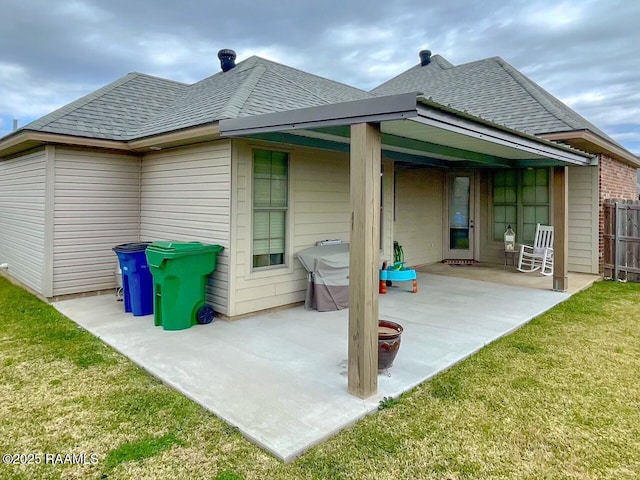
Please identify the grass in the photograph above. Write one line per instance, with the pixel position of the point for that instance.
(559, 398)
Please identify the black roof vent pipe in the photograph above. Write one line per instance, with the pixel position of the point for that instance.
(227, 59)
(425, 57)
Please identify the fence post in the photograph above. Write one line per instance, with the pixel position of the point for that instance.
(615, 242)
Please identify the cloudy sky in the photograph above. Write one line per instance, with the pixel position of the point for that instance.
(587, 53)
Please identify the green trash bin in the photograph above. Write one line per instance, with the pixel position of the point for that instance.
(179, 271)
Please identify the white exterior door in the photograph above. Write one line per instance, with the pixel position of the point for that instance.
(460, 218)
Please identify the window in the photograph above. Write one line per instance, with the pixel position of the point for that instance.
(270, 206)
(505, 202)
(520, 199)
(535, 201)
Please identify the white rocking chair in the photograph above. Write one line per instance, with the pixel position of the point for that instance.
(540, 255)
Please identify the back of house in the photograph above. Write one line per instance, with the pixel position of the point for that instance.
(143, 159)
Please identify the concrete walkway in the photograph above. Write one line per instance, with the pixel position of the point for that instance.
(281, 378)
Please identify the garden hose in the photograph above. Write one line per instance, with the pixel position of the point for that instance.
(398, 256)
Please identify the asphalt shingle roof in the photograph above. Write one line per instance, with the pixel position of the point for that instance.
(138, 105)
(493, 90)
(253, 87)
(114, 111)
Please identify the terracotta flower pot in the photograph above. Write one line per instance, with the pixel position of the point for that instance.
(388, 343)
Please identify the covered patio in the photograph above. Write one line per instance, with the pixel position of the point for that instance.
(413, 129)
(281, 377)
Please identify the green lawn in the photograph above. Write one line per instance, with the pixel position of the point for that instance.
(560, 398)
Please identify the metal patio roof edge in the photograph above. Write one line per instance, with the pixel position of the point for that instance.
(376, 109)
(428, 102)
(406, 106)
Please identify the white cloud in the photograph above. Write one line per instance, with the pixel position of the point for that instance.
(11, 72)
(583, 51)
(78, 11)
(349, 35)
(555, 17)
(589, 97)
(24, 98)
(164, 50)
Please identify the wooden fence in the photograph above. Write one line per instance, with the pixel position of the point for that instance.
(622, 240)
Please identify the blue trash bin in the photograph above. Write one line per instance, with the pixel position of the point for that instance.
(137, 281)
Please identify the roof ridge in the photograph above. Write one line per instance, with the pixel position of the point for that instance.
(542, 98)
(438, 60)
(155, 77)
(315, 94)
(442, 62)
(243, 65)
(79, 103)
(553, 105)
(237, 100)
(326, 79)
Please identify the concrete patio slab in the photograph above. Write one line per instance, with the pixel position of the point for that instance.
(281, 377)
(508, 275)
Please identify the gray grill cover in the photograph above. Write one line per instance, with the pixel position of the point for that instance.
(328, 267)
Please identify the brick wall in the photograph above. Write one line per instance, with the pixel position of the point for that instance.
(617, 181)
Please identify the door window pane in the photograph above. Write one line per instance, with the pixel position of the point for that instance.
(459, 213)
(459, 210)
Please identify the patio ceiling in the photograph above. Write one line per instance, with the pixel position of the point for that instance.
(414, 129)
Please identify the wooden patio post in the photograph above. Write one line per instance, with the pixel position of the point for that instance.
(363, 259)
(561, 229)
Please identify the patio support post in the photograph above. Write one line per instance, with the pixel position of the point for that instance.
(561, 229)
(364, 259)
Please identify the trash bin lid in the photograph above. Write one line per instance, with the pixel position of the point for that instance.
(174, 246)
(131, 247)
(184, 248)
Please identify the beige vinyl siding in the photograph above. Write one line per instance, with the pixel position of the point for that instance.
(96, 207)
(321, 197)
(22, 218)
(185, 196)
(319, 209)
(583, 219)
(419, 204)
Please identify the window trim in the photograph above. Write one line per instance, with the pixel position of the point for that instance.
(278, 268)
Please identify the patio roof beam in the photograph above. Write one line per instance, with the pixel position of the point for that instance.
(438, 155)
(394, 146)
(339, 135)
(443, 151)
(538, 163)
(364, 259)
(335, 146)
(419, 159)
(303, 141)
